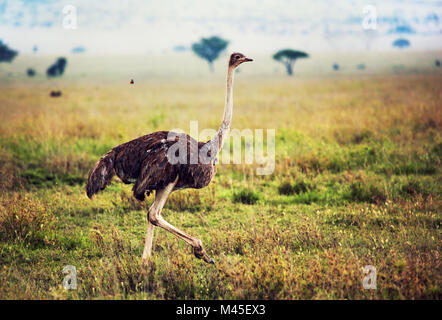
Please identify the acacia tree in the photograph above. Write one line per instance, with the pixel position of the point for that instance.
(209, 49)
(6, 54)
(288, 58)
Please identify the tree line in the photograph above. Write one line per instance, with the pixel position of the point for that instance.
(55, 70)
(208, 49)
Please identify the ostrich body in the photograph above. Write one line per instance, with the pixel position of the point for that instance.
(145, 162)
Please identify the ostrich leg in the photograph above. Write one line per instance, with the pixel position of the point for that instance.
(155, 218)
(147, 253)
(160, 199)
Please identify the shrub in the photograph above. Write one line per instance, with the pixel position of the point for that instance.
(366, 193)
(30, 72)
(9, 178)
(413, 188)
(24, 219)
(286, 188)
(362, 136)
(300, 186)
(246, 196)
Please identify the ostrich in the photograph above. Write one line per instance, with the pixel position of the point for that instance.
(145, 162)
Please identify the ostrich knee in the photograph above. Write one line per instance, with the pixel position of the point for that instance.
(152, 217)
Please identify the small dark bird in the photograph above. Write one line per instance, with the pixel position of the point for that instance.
(437, 63)
(149, 162)
(132, 81)
(55, 94)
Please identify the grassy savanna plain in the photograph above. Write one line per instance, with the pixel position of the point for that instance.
(356, 181)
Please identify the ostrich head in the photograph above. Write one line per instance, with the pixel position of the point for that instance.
(237, 58)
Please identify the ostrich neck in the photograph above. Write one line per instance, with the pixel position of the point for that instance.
(224, 129)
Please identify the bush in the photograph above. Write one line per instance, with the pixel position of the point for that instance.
(246, 196)
(362, 136)
(30, 72)
(24, 219)
(286, 188)
(57, 69)
(366, 193)
(413, 188)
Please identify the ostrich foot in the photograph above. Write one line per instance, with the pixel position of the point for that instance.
(200, 253)
(146, 262)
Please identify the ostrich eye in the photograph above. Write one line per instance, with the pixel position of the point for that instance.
(236, 57)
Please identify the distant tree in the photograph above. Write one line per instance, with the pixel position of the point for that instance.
(79, 49)
(335, 66)
(209, 49)
(401, 43)
(6, 54)
(57, 69)
(405, 29)
(288, 58)
(180, 48)
(52, 71)
(30, 72)
(360, 66)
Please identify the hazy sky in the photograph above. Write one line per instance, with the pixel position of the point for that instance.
(140, 26)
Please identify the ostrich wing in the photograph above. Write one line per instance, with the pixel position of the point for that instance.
(156, 172)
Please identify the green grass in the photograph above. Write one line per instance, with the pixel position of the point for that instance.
(356, 182)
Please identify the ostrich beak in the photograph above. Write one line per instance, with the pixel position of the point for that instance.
(245, 59)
